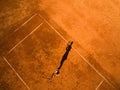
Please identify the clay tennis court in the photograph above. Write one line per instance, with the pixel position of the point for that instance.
(34, 40)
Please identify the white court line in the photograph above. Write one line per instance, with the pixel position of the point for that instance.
(99, 85)
(24, 39)
(54, 29)
(78, 53)
(93, 67)
(16, 73)
(25, 22)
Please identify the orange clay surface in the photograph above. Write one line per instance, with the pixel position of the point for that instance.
(34, 35)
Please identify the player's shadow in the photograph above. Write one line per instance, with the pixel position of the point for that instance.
(68, 48)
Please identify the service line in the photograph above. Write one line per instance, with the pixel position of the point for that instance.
(25, 22)
(99, 85)
(23, 39)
